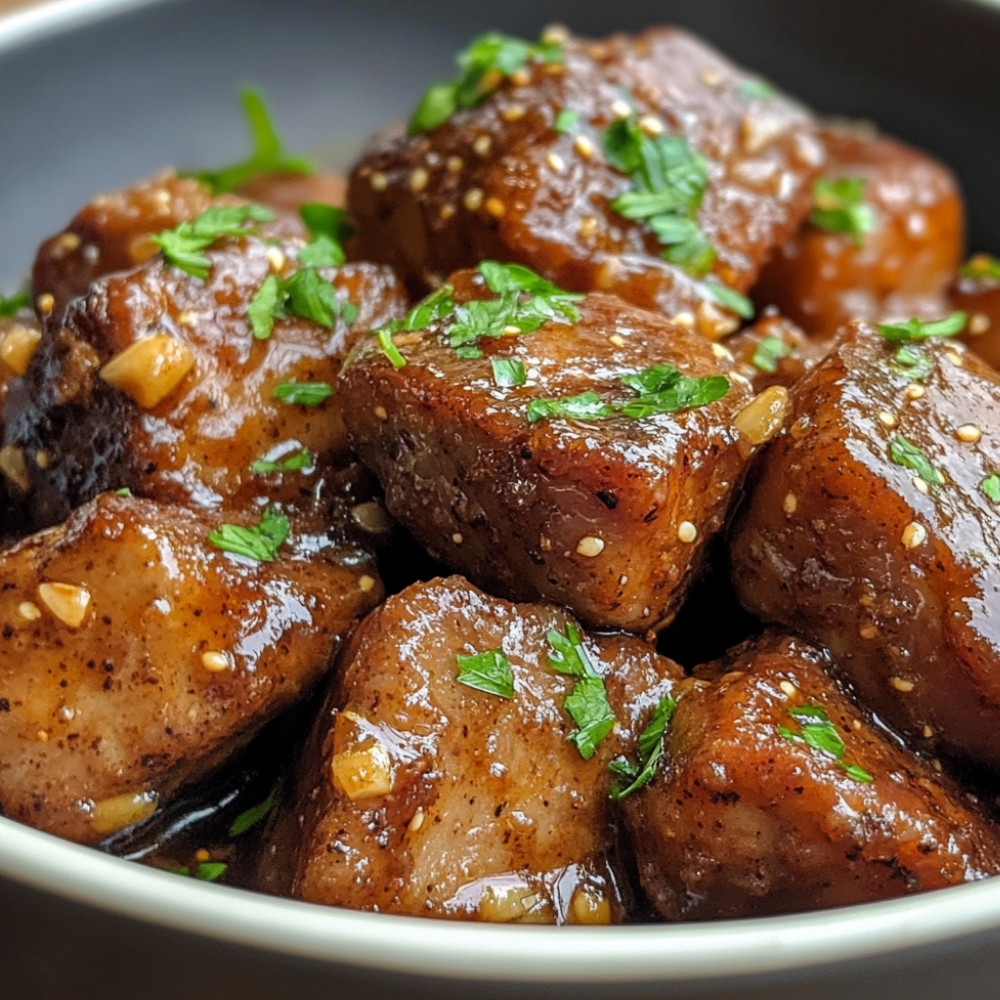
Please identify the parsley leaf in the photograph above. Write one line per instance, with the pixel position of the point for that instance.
(488, 61)
(565, 120)
(490, 672)
(304, 293)
(508, 372)
(20, 300)
(756, 89)
(260, 541)
(301, 459)
(182, 246)
(914, 362)
(303, 393)
(650, 751)
(267, 155)
(991, 486)
(587, 704)
(817, 732)
(908, 455)
(585, 406)
(389, 348)
(251, 817)
(840, 207)
(981, 267)
(207, 871)
(915, 329)
(729, 298)
(768, 353)
(329, 230)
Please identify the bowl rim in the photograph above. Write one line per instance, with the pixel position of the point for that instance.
(633, 953)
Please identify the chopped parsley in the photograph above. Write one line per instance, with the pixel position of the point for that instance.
(915, 363)
(329, 230)
(981, 267)
(915, 329)
(587, 704)
(816, 731)
(303, 393)
(768, 353)
(205, 871)
(991, 486)
(182, 246)
(260, 541)
(668, 182)
(650, 745)
(840, 207)
(756, 89)
(659, 388)
(15, 303)
(267, 155)
(508, 372)
(908, 455)
(728, 298)
(251, 817)
(304, 293)
(565, 120)
(302, 459)
(490, 672)
(488, 61)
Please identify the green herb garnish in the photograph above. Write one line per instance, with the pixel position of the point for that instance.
(915, 329)
(817, 732)
(587, 704)
(907, 454)
(260, 541)
(251, 817)
(565, 120)
(585, 406)
(991, 486)
(756, 89)
(302, 459)
(15, 303)
(728, 298)
(650, 744)
(488, 61)
(182, 246)
(508, 372)
(206, 871)
(981, 267)
(768, 353)
(915, 363)
(329, 230)
(267, 154)
(304, 293)
(840, 207)
(303, 393)
(490, 672)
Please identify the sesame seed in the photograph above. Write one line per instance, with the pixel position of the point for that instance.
(366, 583)
(511, 331)
(790, 504)
(621, 109)
(928, 732)
(968, 433)
(521, 77)
(920, 486)
(590, 546)
(545, 544)
(455, 164)
(622, 580)
(495, 207)
(588, 226)
(417, 822)
(473, 199)
(556, 34)
(888, 419)
(381, 413)
(216, 662)
(513, 113)
(955, 358)
(979, 323)
(29, 611)
(68, 241)
(418, 179)
(712, 77)
(687, 532)
(901, 684)
(936, 764)
(275, 258)
(457, 538)
(617, 340)
(482, 145)
(651, 126)
(42, 736)
(584, 146)
(555, 161)
(189, 317)
(718, 351)
(868, 631)
(915, 391)
(789, 688)
(378, 181)
(914, 534)
(43, 459)
(45, 303)
(446, 211)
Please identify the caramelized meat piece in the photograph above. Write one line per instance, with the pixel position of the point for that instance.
(287, 191)
(778, 794)
(871, 526)
(976, 291)
(509, 180)
(135, 655)
(774, 351)
(19, 337)
(608, 515)
(156, 381)
(424, 796)
(899, 267)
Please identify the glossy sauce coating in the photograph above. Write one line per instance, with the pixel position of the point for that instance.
(498, 181)
(979, 298)
(609, 517)
(896, 575)
(135, 656)
(743, 821)
(484, 810)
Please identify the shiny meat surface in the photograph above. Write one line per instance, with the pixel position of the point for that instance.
(500, 181)
(83, 426)
(774, 351)
(425, 796)
(978, 295)
(135, 656)
(746, 818)
(608, 516)
(900, 268)
(869, 527)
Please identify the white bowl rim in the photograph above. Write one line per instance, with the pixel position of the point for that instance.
(417, 946)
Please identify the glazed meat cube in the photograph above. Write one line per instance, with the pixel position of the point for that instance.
(156, 381)
(778, 794)
(429, 796)
(526, 175)
(886, 246)
(135, 655)
(976, 291)
(19, 336)
(556, 488)
(871, 526)
(774, 351)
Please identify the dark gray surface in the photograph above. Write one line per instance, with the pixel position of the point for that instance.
(108, 104)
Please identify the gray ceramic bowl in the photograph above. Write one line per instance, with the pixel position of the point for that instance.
(97, 93)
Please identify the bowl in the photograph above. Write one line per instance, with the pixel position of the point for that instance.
(97, 93)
